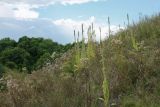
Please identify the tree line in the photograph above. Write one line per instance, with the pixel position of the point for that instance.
(28, 54)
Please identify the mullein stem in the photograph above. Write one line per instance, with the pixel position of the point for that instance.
(128, 20)
(109, 29)
(83, 44)
(105, 85)
(100, 35)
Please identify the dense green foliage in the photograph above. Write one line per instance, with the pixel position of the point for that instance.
(1, 70)
(123, 72)
(29, 53)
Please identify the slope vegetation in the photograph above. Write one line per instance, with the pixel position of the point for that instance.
(122, 71)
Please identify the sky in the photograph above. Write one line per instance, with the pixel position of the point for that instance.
(56, 19)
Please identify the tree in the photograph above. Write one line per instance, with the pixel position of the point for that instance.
(31, 45)
(7, 43)
(16, 56)
(28, 52)
(37, 47)
(44, 59)
(47, 45)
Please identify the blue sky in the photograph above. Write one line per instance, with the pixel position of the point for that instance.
(56, 19)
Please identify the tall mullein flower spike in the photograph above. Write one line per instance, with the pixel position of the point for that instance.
(92, 26)
(100, 31)
(82, 32)
(78, 51)
(119, 27)
(78, 40)
(109, 29)
(93, 33)
(133, 23)
(78, 37)
(75, 41)
(128, 19)
(83, 54)
(75, 36)
(134, 43)
(124, 25)
(140, 16)
(90, 50)
(83, 39)
(105, 84)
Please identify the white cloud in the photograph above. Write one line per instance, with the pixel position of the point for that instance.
(33, 28)
(6, 11)
(59, 30)
(24, 9)
(18, 11)
(69, 25)
(25, 12)
(30, 2)
(73, 24)
(71, 2)
(47, 2)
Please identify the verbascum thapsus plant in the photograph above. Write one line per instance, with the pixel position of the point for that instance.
(100, 32)
(76, 51)
(90, 47)
(131, 33)
(128, 19)
(109, 28)
(75, 41)
(134, 44)
(105, 85)
(93, 33)
(83, 50)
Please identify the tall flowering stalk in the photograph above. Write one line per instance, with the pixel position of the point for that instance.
(90, 50)
(83, 52)
(109, 28)
(105, 85)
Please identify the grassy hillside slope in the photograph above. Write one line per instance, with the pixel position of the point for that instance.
(122, 71)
